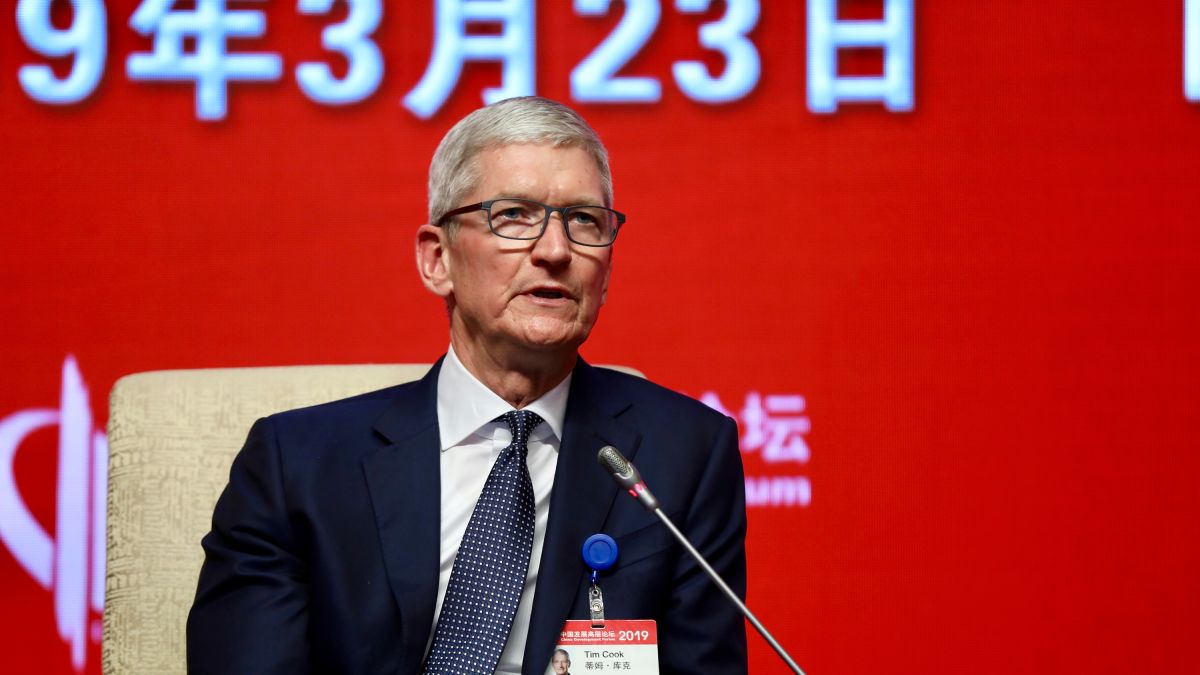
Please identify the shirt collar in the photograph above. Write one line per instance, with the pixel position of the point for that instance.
(464, 404)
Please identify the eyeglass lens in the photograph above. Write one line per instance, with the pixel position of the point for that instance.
(522, 219)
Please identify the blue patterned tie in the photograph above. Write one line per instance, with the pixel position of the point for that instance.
(489, 570)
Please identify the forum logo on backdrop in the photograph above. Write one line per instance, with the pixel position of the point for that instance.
(69, 562)
(774, 426)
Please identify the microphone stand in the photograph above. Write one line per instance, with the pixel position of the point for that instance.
(762, 630)
(627, 477)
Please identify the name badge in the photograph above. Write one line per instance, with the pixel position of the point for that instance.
(621, 646)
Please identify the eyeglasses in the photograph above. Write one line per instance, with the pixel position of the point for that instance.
(526, 219)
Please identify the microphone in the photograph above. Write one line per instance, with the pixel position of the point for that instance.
(626, 475)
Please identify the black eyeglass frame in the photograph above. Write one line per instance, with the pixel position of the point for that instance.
(562, 211)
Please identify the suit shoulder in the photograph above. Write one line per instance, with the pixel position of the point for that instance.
(643, 391)
(368, 405)
(334, 433)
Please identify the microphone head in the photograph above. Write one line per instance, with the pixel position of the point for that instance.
(626, 476)
(612, 461)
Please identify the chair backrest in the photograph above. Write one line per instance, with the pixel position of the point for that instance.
(172, 436)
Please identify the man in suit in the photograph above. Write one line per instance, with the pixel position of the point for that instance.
(436, 526)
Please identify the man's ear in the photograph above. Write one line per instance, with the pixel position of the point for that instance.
(433, 260)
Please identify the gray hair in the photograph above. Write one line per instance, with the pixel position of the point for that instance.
(454, 173)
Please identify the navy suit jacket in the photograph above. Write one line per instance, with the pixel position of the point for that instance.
(323, 556)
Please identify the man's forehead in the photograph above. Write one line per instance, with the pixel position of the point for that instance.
(497, 149)
(513, 181)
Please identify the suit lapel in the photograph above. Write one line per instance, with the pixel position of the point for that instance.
(405, 488)
(579, 502)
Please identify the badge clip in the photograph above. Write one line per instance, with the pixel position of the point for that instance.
(596, 605)
(599, 553)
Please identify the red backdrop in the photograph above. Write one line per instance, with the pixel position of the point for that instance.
(987, 303)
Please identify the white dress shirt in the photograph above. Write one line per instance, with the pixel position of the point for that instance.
(471, 441)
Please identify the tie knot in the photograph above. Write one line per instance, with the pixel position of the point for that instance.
(521, 423)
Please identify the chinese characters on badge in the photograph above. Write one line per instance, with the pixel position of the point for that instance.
(625, 646)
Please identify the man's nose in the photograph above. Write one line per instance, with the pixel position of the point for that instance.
(553, 247)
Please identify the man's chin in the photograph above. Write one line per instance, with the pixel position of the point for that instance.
(552, 336)
(543, 344)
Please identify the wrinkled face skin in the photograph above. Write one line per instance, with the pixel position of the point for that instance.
(513, 298)
(560, 664)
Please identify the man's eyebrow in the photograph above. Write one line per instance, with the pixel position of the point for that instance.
(573, 201)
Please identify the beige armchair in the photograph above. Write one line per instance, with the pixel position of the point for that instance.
(172, 438)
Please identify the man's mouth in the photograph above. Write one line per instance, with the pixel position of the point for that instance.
(552, 295)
